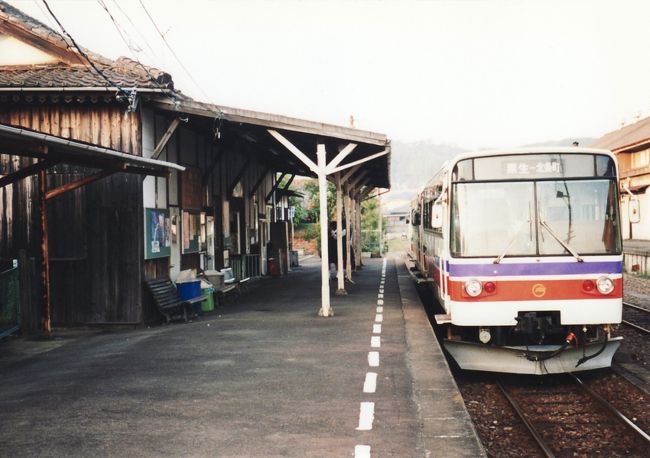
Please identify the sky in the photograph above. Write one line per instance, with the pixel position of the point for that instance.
(472, 73)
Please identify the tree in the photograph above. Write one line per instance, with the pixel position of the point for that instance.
(370, 225)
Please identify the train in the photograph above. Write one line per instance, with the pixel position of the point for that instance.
(523, 251)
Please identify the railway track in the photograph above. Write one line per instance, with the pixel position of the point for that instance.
(569, 418)
(636, 317)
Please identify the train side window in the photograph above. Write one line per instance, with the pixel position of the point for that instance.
(415, 218)
(463, 171)
(605, 166)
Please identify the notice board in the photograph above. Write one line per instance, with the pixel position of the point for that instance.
(157, 233)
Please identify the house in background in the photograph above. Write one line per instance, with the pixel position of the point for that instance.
(631, 144)
(223, 206)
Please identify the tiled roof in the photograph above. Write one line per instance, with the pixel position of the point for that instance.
(627, 137)
(123, 72)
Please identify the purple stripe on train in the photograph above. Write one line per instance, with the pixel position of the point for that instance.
(538, 268)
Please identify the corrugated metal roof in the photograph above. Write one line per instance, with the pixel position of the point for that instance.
(627, 137)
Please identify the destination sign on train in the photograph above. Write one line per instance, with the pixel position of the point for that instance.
(528, 167)
(535, 166)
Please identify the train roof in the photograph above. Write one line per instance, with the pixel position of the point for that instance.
(507, 152)
(532, 150)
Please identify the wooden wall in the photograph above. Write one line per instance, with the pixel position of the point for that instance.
(96, 262)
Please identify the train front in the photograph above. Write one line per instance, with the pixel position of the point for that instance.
(535, 262)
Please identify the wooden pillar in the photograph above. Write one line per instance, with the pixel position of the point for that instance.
(339, 237)
(325, 309)
(348, 232)
(46, 311)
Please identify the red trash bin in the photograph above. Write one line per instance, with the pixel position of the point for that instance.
(272, 268)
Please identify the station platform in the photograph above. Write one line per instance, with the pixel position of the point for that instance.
(263, 376)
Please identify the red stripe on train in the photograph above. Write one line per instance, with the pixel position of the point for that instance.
(535, 290)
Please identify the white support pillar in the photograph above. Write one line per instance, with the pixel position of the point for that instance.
(348, 233)
(325, 309)
(358, 244)
(340, 291)
(381, 231)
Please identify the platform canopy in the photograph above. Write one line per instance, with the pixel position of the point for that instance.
(356, 161)
(53, 150)
(253, 129)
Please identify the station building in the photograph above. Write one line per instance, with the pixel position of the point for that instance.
(631, 144)
(139, 181)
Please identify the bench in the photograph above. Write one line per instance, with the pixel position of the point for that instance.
(165, 297)
(230, 285)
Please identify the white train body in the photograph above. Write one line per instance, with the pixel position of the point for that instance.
(524, 253)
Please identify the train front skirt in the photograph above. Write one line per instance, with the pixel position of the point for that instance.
(481, 357)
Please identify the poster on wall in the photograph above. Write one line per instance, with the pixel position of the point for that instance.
(157, 229)
(191, 232)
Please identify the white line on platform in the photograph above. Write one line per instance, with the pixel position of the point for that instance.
(375, 341)
(379, 318)
(370, 383)
(380, 309)
(366, 416)
(380, 296)
(376, 328)
(362, 451)
(380, 302)
(381, 290)
(373, 359)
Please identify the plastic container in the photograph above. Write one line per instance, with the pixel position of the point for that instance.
(188, 289)
(216, 278)
(208, 304)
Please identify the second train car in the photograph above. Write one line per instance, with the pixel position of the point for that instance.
(523, 249)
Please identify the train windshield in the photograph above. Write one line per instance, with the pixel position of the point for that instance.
(533, 218)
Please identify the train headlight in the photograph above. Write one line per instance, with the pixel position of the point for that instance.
(605, 285)
(473, 287)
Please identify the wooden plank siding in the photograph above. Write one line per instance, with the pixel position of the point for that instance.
(96, 261)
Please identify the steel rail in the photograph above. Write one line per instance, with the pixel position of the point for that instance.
(634, 325)
(611, 409)
(533, 431)
(627, 304)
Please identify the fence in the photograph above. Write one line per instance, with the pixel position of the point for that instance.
(247, 265)
(9, 302)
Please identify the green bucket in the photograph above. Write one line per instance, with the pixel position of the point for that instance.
(208, 304)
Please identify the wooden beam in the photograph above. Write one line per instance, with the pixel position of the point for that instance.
(25, 172)
(289, 182)
(295, 151)
(78, 184)
(21, 147)
(358, 178)
(275, 186)
(339, 157)
(232, 185)
(259, 181)
(213, 164)
(165, 138)
(349, 173)
(144, 171)
(361, 161)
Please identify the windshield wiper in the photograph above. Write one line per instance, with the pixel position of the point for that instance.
(498, 259)
(559, 240)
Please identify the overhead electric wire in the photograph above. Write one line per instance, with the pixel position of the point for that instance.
(128, 44)
(137, 29)
(81, 51)
(187, 72)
